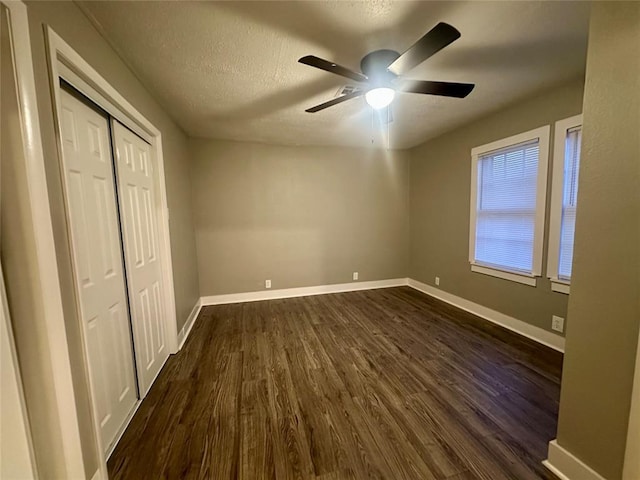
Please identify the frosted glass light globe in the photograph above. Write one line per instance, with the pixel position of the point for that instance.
(380, 97)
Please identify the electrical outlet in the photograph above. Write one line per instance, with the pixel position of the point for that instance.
(437, 280)
(355, 275)
(267, 284)
(557, 323)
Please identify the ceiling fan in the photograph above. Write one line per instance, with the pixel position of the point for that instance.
(382, 72)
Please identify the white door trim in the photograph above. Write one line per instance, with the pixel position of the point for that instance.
(13, 403)
(67, 63)
(44, 242)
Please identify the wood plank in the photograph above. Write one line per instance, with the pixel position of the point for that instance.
(387, 384)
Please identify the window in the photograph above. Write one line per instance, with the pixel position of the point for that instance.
(508, 193)
(564, 194)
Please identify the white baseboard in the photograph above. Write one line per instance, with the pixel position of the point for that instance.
(301, 291)
(97, 475)
(186, 329)
(566, 466)
(534, 333)
(530, 331)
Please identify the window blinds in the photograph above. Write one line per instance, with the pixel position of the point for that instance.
(506, 207)
(569, 197)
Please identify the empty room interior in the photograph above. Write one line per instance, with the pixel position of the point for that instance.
(320, 240)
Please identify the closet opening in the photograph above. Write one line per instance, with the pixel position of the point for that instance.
(110, 206)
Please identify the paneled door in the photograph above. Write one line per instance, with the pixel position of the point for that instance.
(97, 261)
(141, 246)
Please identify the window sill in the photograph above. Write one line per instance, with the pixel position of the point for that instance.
(514, 277)
(560, 286)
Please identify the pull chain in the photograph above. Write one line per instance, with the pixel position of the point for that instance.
(373, 126)
(388, 126)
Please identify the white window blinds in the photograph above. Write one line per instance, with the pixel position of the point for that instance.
(506, 207)
(569, 197)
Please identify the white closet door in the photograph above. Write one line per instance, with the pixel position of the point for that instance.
(97, 253)
(141, 246)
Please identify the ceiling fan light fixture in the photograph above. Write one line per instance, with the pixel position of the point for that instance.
(380, 97)
(384, 69)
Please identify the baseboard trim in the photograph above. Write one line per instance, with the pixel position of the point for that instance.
(301, 291)
(567, 466)
(186, 329)
(537, 334)
(522, 328)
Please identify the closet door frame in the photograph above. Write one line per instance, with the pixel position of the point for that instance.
(49, 329)
(66, 64)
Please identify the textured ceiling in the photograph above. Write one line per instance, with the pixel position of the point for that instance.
(229, 69)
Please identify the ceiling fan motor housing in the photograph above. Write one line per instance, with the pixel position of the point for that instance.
(374, 65)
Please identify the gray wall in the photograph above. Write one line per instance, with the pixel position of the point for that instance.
(300, 216)
(440, 175)
(604, 306)
(69, 22)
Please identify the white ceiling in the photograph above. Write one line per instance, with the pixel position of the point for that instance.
(229, 69)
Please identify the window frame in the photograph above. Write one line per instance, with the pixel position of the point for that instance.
(540, 134)
(557, 186)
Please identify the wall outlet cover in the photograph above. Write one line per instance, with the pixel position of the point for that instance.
(557, 323)
(355, 275)
(267, 284)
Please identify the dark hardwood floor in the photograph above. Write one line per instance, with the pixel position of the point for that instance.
(383, 383)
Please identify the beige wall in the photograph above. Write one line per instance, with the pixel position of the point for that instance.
(70, 23)
(604, 307)
(440, 175)
(300, 216)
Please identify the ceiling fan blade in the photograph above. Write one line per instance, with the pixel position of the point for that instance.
(445, 89)
(432, 42)
(335, 101)
(331, 67)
